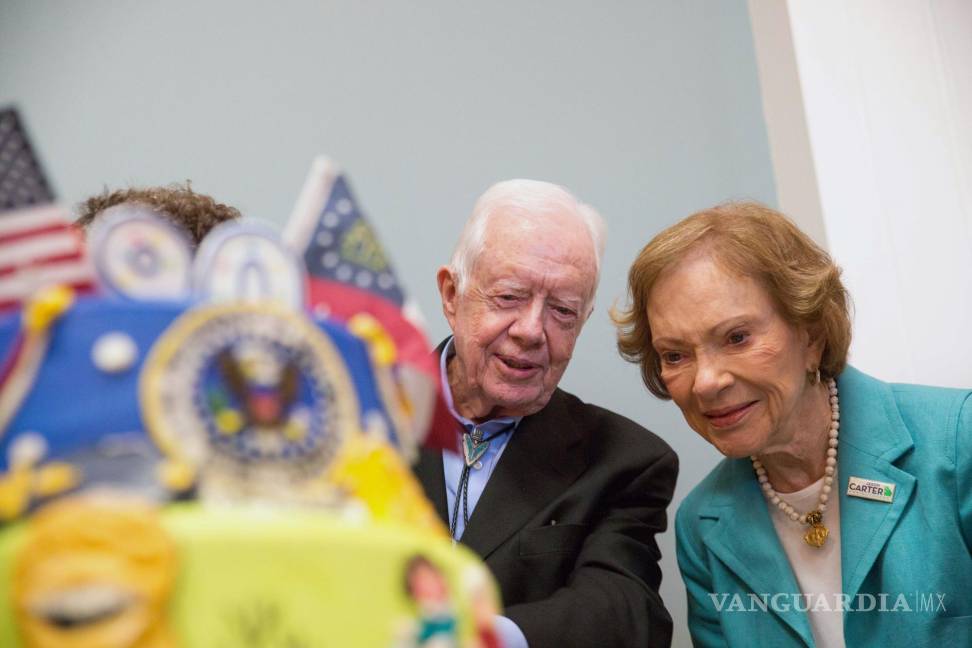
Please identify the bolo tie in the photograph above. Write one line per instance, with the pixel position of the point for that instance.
(474, 446)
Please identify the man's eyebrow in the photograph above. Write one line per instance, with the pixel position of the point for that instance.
(505, 284)
(568, 299)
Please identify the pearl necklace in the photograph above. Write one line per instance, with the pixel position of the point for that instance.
(818, 533)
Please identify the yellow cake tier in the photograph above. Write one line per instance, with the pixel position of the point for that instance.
(192, 577)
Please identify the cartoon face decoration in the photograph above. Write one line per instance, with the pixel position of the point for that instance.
(252, 401)
(140, 255)
(246, 262)
(94, 572)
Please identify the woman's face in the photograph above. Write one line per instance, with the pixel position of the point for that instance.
(730, 361)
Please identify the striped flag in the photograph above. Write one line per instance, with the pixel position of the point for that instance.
(39, 247)
(349, 273)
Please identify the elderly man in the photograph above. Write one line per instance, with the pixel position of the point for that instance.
(562, 499)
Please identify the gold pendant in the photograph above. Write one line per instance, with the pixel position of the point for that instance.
(817, 534)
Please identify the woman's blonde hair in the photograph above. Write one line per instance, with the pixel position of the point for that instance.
(751, 240)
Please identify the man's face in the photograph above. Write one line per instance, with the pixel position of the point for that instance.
(516, 322)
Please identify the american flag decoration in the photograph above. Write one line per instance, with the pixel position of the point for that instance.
(40, 247)
(349, 273)
(22, 181)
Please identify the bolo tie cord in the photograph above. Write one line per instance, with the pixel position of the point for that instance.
(462, 490)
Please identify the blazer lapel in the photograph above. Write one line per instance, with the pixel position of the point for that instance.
(872, 436)
(745, 540)
(545, 455)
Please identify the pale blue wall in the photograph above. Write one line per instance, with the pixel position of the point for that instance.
(647, 110)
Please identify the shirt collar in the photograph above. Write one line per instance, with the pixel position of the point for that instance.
(492, 425)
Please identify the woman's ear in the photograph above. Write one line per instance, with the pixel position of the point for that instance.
(816, 341)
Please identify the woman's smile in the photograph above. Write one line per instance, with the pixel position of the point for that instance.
(727, 417)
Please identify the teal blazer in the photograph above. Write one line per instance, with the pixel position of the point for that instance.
(919, 438)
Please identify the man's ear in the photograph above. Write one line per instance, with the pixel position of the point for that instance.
(449, 293)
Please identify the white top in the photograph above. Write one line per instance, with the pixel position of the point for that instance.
(817, 570)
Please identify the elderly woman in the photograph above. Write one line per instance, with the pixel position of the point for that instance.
(842, 513)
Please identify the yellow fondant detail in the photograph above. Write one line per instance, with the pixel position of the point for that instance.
(229, 421)
(46, 306)
(295, 430)
(380, 343)
(176, 476)
(54, 478)
(15, 492)
(371, 471)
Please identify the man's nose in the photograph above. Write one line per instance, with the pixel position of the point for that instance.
(711, 377)
(528, 326)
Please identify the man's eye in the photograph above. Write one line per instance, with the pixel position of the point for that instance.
(564, 311)
(507, 298)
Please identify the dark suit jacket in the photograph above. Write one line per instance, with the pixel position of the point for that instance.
(567, 526)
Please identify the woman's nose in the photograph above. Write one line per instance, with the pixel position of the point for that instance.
(711, 377)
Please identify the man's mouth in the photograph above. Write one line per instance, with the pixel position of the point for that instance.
(518, 366)
(728, 416)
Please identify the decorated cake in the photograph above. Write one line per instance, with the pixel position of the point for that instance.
(195, 457)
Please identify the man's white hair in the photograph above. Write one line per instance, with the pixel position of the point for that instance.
(528, 198)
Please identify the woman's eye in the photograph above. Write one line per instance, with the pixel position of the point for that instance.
(671, 357)
(738, 337)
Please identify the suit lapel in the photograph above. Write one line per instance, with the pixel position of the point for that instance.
(428, 468)
(745, 540)
(872, 436)
(545, 455)
(431, 475)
